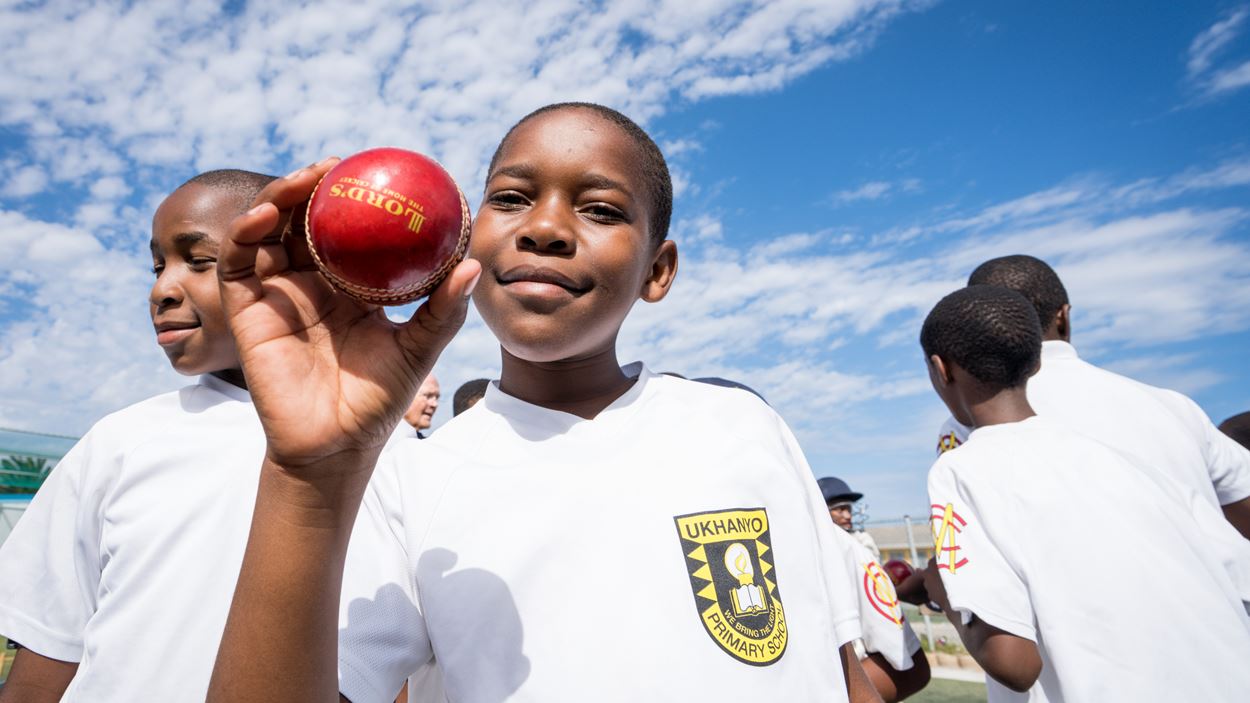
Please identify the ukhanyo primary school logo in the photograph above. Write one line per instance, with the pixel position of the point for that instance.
(729, 557)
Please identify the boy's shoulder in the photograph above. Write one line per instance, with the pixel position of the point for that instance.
(726, 401)
(146, 419)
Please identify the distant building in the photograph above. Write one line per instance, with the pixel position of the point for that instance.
(26, 458)
(891, 538)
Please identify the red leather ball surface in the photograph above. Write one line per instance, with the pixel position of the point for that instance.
(898, 570)
(387, 225)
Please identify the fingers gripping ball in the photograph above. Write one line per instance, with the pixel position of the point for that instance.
(385, 226)
(898, 570)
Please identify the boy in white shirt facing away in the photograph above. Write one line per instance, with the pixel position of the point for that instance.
(1059, 561)
(1159, 427)
(117, 579)
(587, 531)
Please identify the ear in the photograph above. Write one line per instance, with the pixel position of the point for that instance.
(1063, 323)
(940, 372)
(663, 271)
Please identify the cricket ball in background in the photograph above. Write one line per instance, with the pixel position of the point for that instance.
(898, 570)
(387, 225)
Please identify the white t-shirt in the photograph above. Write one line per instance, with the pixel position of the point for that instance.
(676, 547)
(1056, 538)
(127, 557)
(1159, 427)
(885, 630)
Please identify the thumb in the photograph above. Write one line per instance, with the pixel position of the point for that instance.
(424, 336)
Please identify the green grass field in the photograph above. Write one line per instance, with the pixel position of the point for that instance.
(943, 691)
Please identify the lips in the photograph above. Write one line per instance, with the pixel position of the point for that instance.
(543, 276)
(174, 331)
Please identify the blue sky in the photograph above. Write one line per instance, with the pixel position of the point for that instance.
(840, 166)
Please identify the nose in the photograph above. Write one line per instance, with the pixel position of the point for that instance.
(549, 229)
(166, 290)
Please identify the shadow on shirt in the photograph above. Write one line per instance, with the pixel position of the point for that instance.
(473, 625)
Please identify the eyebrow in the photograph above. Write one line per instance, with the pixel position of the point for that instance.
(593, 181)
(184, 240)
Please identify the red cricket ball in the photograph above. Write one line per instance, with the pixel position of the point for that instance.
(387, 225)
(898, 570)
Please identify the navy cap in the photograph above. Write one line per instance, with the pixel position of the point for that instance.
(836, 489)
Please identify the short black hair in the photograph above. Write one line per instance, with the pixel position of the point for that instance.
(1029, 276)
(1238, 427)
(989, 331)
(468, 394)
(654, 168)
(244, 185)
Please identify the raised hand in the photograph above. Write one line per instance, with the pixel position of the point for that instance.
(328, 374)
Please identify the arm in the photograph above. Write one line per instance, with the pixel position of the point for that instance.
(35, 678)
(1238, 513)
(1013, 661)
(329, 377)
(858, 688)
(892, 684)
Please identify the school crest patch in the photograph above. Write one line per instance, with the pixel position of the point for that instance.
(730, 562)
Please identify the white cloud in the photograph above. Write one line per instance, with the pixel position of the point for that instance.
(1211, 40)
(147, 93)
(1201, 69)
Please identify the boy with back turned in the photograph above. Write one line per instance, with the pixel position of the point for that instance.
(1036, 526)
(582, 533)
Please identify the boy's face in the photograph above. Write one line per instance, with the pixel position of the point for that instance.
(563, 238)
(184, 302)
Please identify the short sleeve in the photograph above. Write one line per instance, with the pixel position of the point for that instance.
(382, 633)
(51, 561)
(1227, 463)
(883, 627)
(951, 435)
(835, 565)
(978, 576)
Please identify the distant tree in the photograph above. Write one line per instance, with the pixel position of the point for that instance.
(22, 474)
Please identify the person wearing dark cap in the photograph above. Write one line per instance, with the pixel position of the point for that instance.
(888, 650)
(840, 500)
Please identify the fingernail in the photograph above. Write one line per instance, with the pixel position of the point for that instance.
(296, 173)
(468, 290)
(326, 160)
(256, 210)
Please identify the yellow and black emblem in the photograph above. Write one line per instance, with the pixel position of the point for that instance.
(728, 555)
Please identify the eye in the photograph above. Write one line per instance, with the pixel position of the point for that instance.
(605, 213)
(157, 267)
(202, 263)
(508, 200)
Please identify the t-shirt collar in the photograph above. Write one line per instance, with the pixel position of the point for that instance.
(515, 409)
(1057, 349)
(225, 388)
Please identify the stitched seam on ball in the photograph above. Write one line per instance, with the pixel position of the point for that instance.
(408, 293)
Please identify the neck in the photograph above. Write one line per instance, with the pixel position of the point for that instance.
(999, 407)
(232, 376)
(582, 386)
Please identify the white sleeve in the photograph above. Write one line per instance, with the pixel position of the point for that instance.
(382, 634)
(884, 630)
(951, 435)
(978, 576)
(839, 579)
(51, 562)
(1227, 463)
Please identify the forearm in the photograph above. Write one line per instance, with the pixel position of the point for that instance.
(280, 641)
(1238, 514)
(892, 684)
(859, 688)
(1013, 661)
(35, 678)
